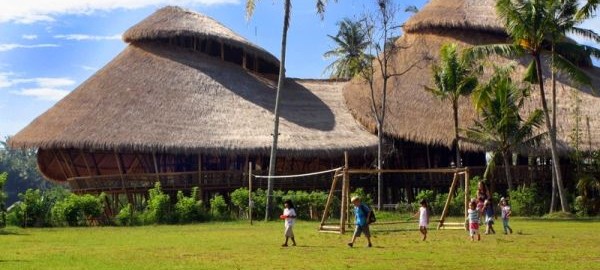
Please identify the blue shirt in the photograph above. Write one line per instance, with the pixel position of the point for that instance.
(489, 211)
(360, 216)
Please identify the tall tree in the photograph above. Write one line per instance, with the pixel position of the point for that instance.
(500, 127)
(453, 77)
(527, 23)
(3, 197)
(287, 6)
(565, 20)
(350, 45)
(382, 26)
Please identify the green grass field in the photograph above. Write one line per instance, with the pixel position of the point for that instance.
(237, 245)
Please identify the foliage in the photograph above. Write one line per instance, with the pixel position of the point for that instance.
(158, 209)
(77, 210)
(453, 77)
(588, 201)
(364, 197)
(350, 45)
(189, 209)
(3, 177)
(33, 210)
(525, 201)
(127, 216)
(218, 208)
(21, 166)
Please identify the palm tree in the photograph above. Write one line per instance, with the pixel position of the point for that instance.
(564, 53)
(453, 78)
(287, 6)
(588, 9)
(528, 22)
(351, 42)
(500, 127)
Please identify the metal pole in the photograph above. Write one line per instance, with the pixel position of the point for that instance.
(250, 202)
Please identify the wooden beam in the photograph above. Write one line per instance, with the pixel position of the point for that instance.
(466, 193)
(120, 166)
(448, 199)
(433, 170)
(155, 166)
(87, 165)
(62, 168)
(345, 182)
(222, 51)
(244, 60)
(62, 155)
(329, 199)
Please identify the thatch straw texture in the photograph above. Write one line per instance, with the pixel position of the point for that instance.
(172, 22)
(416, 115)
(456, 14)
(153, 97)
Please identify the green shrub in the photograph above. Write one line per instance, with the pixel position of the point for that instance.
(158, 209)
(3, 197)
(128, 216)
(188, 209)
(524, 201)
(364, 197)
(239, 198)
(76, 210)
(218, 208)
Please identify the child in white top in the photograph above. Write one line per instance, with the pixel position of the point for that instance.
(473, 214)
(289, 215)
(505, 215)
(423, 218)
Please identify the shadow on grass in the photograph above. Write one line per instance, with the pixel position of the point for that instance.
(11, 261)
(3, 232)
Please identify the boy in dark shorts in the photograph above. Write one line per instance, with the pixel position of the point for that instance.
(361, 212)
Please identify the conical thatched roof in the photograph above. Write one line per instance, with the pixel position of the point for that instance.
(456, 14)
(171, 22)
(154, 97)
(416, 115)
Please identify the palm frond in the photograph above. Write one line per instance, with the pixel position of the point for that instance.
(585, 33)
(531, 75)
(574, 72)
(507, 50)
(587, 10)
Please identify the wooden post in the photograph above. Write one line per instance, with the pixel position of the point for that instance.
(155, 166)
(250, 202)
(222, 51)
(345, 188)
(119, 165)
(445, 211)
(200, 177)
(329, 198)
(244, 61)
(466, 192)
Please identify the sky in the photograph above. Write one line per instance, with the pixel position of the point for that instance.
(49, 47)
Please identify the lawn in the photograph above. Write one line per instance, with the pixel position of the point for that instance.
(536, 244)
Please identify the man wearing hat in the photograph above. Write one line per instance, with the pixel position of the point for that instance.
(361, 213)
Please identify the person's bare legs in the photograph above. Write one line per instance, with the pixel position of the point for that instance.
(424, 232)
(286, 242)
(293, 241)
(369, 240)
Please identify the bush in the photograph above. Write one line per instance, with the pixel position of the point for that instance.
(158, 209)
(188, 209)
(524, 201)
(239, 198)
(218, 208)
(77, 210)
(128, 216)
(3, 197)
(364, 197)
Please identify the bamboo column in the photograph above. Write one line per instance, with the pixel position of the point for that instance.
(250, 202)
(345, 188)
(466, 192)
(329, 198)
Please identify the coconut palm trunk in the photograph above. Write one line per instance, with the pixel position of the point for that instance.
(555, 158)
(280, 82)
(507, 164)
(456, 137)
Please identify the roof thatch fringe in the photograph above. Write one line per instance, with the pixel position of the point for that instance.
(171, 22)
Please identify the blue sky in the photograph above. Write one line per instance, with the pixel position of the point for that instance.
(48, 48)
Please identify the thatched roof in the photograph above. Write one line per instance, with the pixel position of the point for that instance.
(172, 22)
(416, 115)
(153, 97)
(456, 14)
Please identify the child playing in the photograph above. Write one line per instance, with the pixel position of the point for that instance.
(289, 215)
(474, 222)
(361, 214)
(505, 208)
(423, 218)
(488, 209)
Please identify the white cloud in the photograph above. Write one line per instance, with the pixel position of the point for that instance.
(29, 37)
(42, 88)
(88, 68)
(11, 46)
(80, 37)
(47, 94)
(31, 11)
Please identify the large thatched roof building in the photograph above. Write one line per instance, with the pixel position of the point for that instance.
(415, 115)
(188, 102)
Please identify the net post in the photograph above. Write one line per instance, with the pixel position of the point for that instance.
(445, 211)
(466, 191)
(250, 203)
(344, 208)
